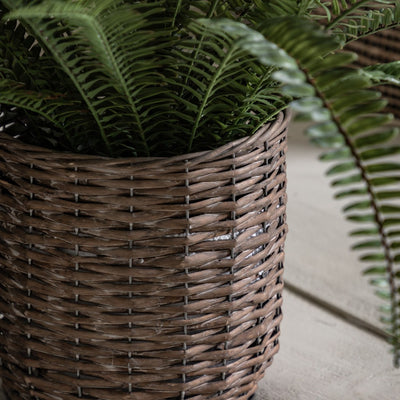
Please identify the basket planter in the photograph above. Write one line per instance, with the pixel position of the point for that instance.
(142, 279)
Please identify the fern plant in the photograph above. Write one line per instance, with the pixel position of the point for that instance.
(165, 77)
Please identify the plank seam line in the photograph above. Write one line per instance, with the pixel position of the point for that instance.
(338, 312)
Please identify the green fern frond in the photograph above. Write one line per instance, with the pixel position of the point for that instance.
(351, 130)
(222, 87)
(99, 58)
(383, 74)
(53, 107)
(354, 19)
(323, 81)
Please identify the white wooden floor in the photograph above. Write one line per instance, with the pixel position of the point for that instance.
(323, 356)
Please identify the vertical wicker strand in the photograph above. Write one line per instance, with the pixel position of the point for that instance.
(232, 269)
(264, 273)
(282, 170)
(186, 299)
(77, 342)
(130, 296)
(29, 305)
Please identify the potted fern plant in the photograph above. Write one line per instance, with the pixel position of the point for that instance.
(143, 185)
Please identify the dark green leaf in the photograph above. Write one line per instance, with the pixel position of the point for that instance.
(373, 257)
(381, 74)
(359, 205)
(329, 141)
(340, 168)
(332, 77)
(290, 77)
(326, 129)
(365, 232)
(348, 180)
(298, 90)
(386, 308)
(382, 167)
(384, 181)
(307, 104)
(391, 221)
(332, 61)
(367, 245)
(358, 97)
(376, 138)
(393, 234)
(361, 218)
(383, 294)
(379, 152)
(360, 109)
(344, 86)
(389, 209)
(380, 282)
(390, 194)
(376, 270)
(350, 193)
(336, 155)
(365, 123)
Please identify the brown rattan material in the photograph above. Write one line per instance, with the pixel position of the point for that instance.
(141, 279)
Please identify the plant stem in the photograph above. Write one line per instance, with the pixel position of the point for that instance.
(346, 13)
(177, 9)
(383, 28)
(203, 104)
(116, 67)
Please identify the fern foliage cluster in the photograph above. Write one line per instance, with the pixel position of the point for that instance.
(141, 73)
(165, 77)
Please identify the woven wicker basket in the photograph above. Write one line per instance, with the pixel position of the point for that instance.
(141, 279)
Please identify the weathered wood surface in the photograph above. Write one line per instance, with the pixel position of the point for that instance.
(318, 256)
(324, 358)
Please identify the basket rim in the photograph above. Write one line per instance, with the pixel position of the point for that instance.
(281, 121)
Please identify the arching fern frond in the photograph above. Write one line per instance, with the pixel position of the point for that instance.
(223, 90)
(355, 131)
(351, 125)
(142, 73)
(110, 58)
(354, 19)
(54, 107)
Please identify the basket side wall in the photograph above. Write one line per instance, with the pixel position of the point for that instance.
(141, 279)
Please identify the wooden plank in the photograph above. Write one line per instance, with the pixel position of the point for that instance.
(318, 255)
(324, 358)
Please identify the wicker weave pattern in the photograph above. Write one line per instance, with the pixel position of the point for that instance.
(141, 279)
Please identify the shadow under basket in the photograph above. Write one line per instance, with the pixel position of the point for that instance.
(141, 279)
